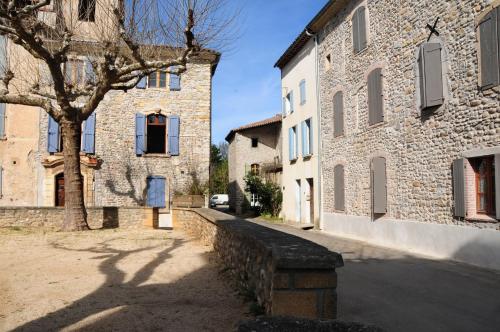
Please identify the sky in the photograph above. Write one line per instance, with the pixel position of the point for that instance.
(246, 86)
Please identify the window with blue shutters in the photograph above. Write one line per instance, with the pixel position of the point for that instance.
(155, 190)
(307, 138)
(175, 82)
(140, 134)
(292, 143)
(142, 83)
(88, 135)
(3, 55)
(302, 87)
(53, 136)
(173, 135)
(290, 101)
(2, 120)
(90, 76)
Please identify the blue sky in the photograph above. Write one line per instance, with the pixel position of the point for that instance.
(246, 86)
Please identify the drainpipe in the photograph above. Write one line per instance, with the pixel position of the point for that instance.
(318, 107)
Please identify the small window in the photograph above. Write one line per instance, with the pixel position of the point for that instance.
(156, 129)
(152, 81)
(255, 142)
(359, 30)
(302, 87)
(255, 169)
(86, 10)
(484, 169)
(328, 62)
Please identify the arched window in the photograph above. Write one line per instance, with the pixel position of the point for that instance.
(156, 138)
(255, 169)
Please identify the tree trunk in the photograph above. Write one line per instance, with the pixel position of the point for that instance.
(75, 215)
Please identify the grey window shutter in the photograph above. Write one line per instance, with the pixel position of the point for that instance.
(3, 56)
(302, 92)
(338, 114)
(361, 29)
(379, 185)
(339, 190)
(375, 98)
(459, 188)
(488, 40)
(2, 120)
(284, 106)
(431, 70)
(497, 184)
(355, 32)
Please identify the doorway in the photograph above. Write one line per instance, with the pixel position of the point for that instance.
(298, 201)
(310, 199)
(59, 189)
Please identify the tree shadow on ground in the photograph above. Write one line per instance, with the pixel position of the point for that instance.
(141, 304)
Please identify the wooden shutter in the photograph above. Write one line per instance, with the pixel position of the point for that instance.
(497, 184)
(53, 135)
(160, 192)
(150, 191)
(284, 106)
(379, 185)
(375, 98)
(90, 76)
(88, 142)
(488, 39)
(302, 92)
(155, 191)
(142, 83)
(310, 123)
(175, 81)
(459, 188)
(355, 32)
(290, 97)
(361, 29)
(290, 144)
(140, 134)
(338, 186)
(304, 139)
(3, 56)
(2, 120)
(173, 135)
(338, 114)
(431, 71)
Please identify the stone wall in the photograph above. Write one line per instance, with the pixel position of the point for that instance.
(264, 261)
(98, 217)
(419, 147)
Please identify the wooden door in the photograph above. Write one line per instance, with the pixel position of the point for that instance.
(60, 190)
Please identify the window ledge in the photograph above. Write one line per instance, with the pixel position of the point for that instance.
(307, 157)
(482, 218)
(156, 155)
(292, 161)
(375, 125)
(360, 51)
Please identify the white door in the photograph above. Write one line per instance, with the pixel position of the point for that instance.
(307, 206)
(298, 201)
(165, 220)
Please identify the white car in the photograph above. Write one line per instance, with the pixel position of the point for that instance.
(219, 199)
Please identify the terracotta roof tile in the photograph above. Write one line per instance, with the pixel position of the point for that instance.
(265, 122)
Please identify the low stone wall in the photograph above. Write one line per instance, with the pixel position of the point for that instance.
(98, 217)
(288, 275)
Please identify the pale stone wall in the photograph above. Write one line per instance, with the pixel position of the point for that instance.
(242, 155)
(301, 67)
(419, 148)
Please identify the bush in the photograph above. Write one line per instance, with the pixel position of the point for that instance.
(269, 194)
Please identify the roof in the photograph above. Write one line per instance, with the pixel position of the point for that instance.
(314, 26)
(261, 123)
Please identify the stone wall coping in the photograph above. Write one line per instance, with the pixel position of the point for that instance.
(62, 208)
(288, 251)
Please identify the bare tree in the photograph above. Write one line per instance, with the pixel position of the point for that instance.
(123, 41)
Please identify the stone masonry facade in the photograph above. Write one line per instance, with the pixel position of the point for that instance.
(419, 146)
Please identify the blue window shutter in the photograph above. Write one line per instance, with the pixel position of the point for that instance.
(155, 190)
(140, 134)
(304, 142)
(2, 120)
(291, 101)
(302, 92)
(90, 76)
(53, 135)
(3, 55)
(290, 144)
(160, 192)
(89, 134)
(311, 136)
(173, 135)
(150, 191)
(175, 81)
(142, 83)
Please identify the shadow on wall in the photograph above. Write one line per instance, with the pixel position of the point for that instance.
(238, 200)
(110, 217)
(137, 196)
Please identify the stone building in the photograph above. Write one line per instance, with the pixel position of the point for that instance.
(255, 148)
(410, 124)
(300, 134)
(138, 147)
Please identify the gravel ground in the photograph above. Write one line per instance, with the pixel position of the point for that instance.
(112, 280)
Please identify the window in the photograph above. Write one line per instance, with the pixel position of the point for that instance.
(2, 120)
(163, 79)
(175, 81)
(375, 97)
(156, 138)
(255, 142)
(338, 186)
(430, 72)
(88, 134)
(338, 114)
(255, 169)
(307, 138)
(3, 56)
(489, 33)
(379, 185)
(328, 62)
(289, 102)
(302, 87)
(142, 83)
(359, 30)
(74, 72)
(155, 189)
(54, 141)
(151, 134)
(484, 169)
(292, 143)
(86, 10)
(152, 81)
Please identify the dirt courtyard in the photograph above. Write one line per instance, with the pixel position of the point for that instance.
(112, 280)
